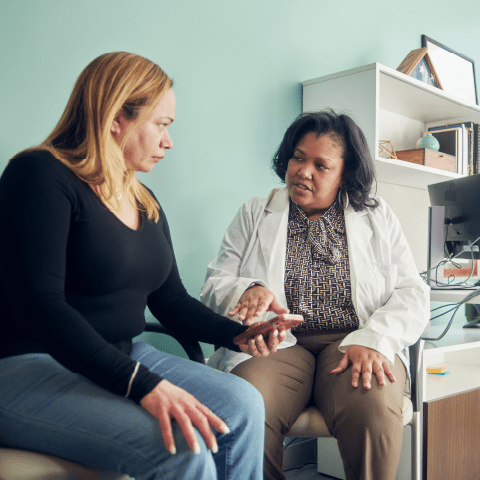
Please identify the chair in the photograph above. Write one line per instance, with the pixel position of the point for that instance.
(24, 465)
(311, 423)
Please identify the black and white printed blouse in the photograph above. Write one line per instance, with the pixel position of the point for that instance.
(317, 273)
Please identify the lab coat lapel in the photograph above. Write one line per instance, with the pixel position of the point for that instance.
(272, 233)
(360, 255)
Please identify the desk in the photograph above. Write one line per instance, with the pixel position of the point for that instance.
(451, 404)
(451, 296)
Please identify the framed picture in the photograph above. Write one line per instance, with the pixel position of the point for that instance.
(417, 64)
(455, 71)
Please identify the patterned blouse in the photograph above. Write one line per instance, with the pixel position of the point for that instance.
(317, 273)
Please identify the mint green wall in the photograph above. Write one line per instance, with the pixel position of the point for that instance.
(238, 68)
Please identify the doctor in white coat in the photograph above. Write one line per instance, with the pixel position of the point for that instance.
(323, 247)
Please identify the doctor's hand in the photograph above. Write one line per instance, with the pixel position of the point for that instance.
(365, 361)
(255, 302)
(259, 347)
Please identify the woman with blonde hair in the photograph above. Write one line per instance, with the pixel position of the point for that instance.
(85, 248)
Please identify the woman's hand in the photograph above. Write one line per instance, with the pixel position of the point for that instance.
(255, 302)
(365, 361)
(257, 347)
(167, 401)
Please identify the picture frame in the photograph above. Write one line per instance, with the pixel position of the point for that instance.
(419, 65)
(455, 70)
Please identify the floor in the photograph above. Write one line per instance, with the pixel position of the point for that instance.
(300, 460)
(308, 472)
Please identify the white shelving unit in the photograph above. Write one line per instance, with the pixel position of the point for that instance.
(389, 105)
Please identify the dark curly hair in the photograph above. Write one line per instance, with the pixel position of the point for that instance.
(358, 171)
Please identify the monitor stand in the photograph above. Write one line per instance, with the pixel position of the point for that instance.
(472, 314)
(436, 246)
(474, 324)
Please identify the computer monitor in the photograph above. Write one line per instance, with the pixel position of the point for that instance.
(454, 220)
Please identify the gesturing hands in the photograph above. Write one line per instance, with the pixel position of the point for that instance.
(365, 361)
(257, 347)
(167, 401)
(255, 302)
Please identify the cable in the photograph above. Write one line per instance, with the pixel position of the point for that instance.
(442, 306)
(465, 300)
(426, 273)
(442, 314)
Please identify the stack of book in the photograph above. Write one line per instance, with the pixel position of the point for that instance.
(460, 140)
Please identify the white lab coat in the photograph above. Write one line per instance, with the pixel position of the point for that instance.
(389, 296)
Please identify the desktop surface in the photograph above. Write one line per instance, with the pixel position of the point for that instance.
(456, 335)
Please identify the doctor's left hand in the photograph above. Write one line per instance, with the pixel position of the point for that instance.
(365, 362)
(258, 347)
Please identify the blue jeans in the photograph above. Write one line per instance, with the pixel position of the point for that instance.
(47, 408)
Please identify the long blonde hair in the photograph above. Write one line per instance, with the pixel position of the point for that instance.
(83, 140)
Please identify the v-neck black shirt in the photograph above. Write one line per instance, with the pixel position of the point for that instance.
(75, 280)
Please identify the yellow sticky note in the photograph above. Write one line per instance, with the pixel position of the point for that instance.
(437, 369)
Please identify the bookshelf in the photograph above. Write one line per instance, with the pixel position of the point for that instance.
(389, 105)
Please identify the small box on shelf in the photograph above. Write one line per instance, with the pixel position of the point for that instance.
(429, 158)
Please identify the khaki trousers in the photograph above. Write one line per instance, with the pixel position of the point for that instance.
(368, 424)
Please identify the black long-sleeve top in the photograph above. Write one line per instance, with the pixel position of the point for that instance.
(75, 280)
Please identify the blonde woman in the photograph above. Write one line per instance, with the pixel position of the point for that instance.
(84, 249)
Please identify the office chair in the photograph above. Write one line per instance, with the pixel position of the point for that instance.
(24, 465)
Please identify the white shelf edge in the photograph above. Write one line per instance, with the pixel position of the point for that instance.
(420, 168)
(344, 73)
(400, 172)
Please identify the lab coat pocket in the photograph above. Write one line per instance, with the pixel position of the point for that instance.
(385, 275)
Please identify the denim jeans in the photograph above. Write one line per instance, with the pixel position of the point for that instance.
(47, 408)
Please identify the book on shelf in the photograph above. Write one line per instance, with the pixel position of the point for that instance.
(468, 153)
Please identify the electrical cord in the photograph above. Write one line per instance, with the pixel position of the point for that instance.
(442, 306)
(471, 295)
(442, 314)
(426, 274)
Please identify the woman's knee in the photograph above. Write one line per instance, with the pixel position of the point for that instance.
(243, 398)
(375, 412)
(152, 460)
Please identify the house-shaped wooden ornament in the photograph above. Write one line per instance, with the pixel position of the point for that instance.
(417, 64)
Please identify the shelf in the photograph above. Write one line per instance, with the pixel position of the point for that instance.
(389, 105)
(414, 99)
(400, 172)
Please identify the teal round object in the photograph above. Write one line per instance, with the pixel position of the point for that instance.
(429, 141)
